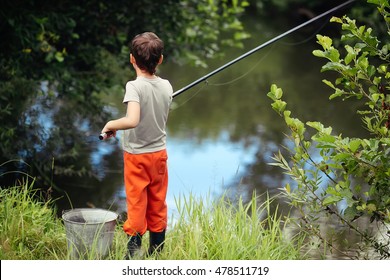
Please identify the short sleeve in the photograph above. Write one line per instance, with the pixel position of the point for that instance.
(131, 93)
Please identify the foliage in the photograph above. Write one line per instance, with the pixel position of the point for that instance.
(335, 174)
(210, 22)
(43, 39)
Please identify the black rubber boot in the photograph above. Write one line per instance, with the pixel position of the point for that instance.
(156, 242)
(134, 245)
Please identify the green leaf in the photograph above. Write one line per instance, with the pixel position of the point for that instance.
(316, 125)
(324, 41)
(278, 93)
(279, 106)
(375, 97)
(363, 62)
(349, 57)
(319, 53)
(351, 213)
(320, 127)
(288, 188)
(59, 57)
(354, 145)
(275, 93)
(325, 138)
(336, 19)
(337, 93)
(371, 70)
(371, 207)
(334, 66)
(382, 69)
(341, 156)
(333, 55)
(332, 199)
(328, 83)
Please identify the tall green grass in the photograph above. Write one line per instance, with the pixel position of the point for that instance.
(222, 230)
(29, 228)
(203, 229)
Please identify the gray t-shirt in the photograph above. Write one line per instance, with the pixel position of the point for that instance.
(155, 97)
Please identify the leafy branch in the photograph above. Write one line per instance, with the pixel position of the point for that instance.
(340, 176)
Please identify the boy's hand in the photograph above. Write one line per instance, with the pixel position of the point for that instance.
(107, 134)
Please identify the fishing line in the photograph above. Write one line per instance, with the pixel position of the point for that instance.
(308, 38)
(268, 53)
(262, 58)
(260, 47)
(175, 107)
(246, 73)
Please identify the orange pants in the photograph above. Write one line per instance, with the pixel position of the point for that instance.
(146, 184)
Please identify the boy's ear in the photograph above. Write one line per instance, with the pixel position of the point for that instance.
(132, 59)
(161, 59)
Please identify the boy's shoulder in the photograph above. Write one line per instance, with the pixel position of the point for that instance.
(142, 80)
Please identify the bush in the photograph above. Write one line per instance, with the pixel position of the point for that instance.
(346, 178)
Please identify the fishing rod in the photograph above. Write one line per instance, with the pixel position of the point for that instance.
(205, 77)
(108, 134)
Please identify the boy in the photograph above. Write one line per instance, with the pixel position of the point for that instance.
(148, 99)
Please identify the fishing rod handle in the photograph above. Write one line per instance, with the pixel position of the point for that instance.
(105, 135)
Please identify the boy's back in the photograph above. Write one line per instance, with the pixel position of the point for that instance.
(154, 96)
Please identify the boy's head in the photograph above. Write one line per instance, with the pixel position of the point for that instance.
(147, 49)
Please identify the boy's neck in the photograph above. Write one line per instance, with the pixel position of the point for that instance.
(144, 74)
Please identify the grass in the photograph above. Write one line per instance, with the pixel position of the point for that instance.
(223, 230)
(203, 230)
(29, 228)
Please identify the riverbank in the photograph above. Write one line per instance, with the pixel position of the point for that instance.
(202, 230)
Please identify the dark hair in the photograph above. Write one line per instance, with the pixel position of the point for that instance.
(147, 49)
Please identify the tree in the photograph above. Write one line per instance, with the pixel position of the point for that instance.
(338, 176)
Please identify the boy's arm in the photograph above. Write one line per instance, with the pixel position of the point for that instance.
(130, 121)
